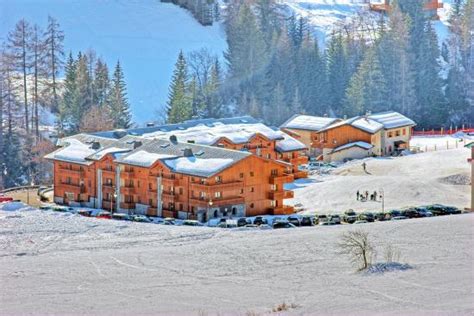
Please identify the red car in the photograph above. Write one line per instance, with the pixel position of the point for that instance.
(104, 215)
(5, 199)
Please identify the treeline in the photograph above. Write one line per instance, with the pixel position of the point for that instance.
(32, 65)
(276, 67)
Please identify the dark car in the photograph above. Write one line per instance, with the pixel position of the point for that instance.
(381, 216)
(242, 222)
(294, 220)
(370, 217)
(438, 210)
(307, 221)
(349, 216)
(259, 220)
(392, 213)
(282, 224)
(86, 213)
(410, 213)
(453, 210)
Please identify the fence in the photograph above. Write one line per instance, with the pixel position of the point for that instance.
(442, 131)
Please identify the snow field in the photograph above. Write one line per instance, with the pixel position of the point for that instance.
(55, 263)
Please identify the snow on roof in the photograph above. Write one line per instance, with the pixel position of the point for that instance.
(143, 158)
(198, 166)
(362, 145)
(73, 151)
(289, 143)
(207, 134)
(392, 119)
(109, 150)
(361, 122)
(308, 122)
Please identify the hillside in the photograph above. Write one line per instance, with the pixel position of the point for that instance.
(146, 35)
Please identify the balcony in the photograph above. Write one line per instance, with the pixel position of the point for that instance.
(283, 210)
(127, 174)
(169, 195)
(300, 174)
(74, 173)
(108, 188)
(280, 195)
(127, 190)
(71, 186)
(281, 179)
(165, 180)
(108, 172)
(127, 205)
(217, 202)
(217, 186)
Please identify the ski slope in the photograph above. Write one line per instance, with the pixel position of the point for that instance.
(146, 35)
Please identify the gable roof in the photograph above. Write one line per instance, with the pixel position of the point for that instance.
(308, 122)
(392, 119)
(359, 144)
(73, 151)
(360, 122)
(205, 161)
(289, 143)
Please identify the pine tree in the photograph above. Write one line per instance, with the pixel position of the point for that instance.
(213, 102)
(179, 102)
(54, 42)
(63, 119)
(338, 75)
(18, 41)
(367, 88)
(118, 101)
(101, 83)
(82, 100)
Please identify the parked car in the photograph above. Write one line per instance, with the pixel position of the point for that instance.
(251, 226)
(190, 222)
(363, 221)
(294, 220)
(326, 223)
(86, 213)
(282, 224)
(104, 215)
(60, 209)
(45, 208)
(307, 221)
(453, 210)
(423, 211)
(397, 218)
(368, 216)
(121, 217)
(349, 216)
(259, 220)
(410, 213)
(438, 209)
(322, 218)
(6, 199)
(242, 222)
(335, 219)
(381, 216)
(140, 219)
(392, 213)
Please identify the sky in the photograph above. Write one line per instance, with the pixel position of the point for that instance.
(145, 35)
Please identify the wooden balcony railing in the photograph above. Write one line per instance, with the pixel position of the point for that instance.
(281, 179)
(217, 186)
(280, 195)
(165, 180)
(217, 202)
(127, 174)
(108, 188)
(127, 190)
(75, 173)
(107, 172)
(283, 210)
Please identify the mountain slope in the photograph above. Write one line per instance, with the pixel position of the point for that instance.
(146, 35)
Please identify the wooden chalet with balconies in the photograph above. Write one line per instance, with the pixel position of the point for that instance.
(429, 6)
(167, 178)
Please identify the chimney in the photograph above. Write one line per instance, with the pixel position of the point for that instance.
(173, 139)
(150, 124)
(95, 145)
(345, 117)
(325, 115)
(188, 152)
(137, 144)
(119, 133)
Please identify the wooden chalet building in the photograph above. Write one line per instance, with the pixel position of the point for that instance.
(159, 177)
(429, 6)
(358, 137)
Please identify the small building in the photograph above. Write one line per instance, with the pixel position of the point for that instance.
(429, 6)
(350, 151)
(305, 128)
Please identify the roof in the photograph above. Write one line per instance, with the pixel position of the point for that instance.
(360, 122)
(205, 161)
(392, 119)
(73, 151)
(122, 145)
(289, 143)
(362, 145)
(86, 139)
(308, 122)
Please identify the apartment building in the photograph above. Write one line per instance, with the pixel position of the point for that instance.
(160, 177)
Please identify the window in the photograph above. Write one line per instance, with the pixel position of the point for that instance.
(69, 196)
(273, 187)
(272, 203)
(180, 190)
(107, 196)
(251, 205)
(108, 181)
(251, 173)
(215, 214)
(180, 206)
(202, 195)
(269, 156)
(404, 131)
(150, 186)
(241, 175)
(234, 211)
(241, 191)
(274, 172)
(138, 183)
(252, 189)
(218, 179)
(218, 194)
(150, 202)
(389, 134)
(397, 133)
(202, 181)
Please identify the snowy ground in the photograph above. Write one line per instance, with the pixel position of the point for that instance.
(59, 263)
(418, 179)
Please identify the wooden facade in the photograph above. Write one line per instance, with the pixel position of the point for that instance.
(252, 186)
(430, 6)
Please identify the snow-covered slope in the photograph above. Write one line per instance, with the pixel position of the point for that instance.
(146, 35)
(323, 15)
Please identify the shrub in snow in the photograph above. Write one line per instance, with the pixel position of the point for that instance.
(383, 267)
(358, 247)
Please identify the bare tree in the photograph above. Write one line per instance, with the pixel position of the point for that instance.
(391, 254)
(357, 246)
(96, 119)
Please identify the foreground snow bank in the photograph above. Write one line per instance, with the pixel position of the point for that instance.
(15, 206)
